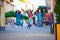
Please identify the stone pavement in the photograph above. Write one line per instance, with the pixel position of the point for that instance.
(25, 36)
(34, 29)
(22, 33)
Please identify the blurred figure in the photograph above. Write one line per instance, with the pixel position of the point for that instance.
(30, 19)
(21, 22)
(22, 13)
(48, 17)
(39, 15)
(44, 21)
(17, 15)
(35, 17)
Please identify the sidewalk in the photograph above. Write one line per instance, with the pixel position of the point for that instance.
(25, 36)
(22, 33)
(34, 29)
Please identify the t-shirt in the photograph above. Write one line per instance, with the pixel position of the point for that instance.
(30, 15)
(39, 15)
(48, 17)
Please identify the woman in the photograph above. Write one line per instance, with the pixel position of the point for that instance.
(40, 16)
(48, 17)
(35, 16)
(17, 15)
(30, 19)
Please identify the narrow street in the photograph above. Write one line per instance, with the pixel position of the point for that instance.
(33, 28)
(25, 36)
(15, 12)
(22, 33)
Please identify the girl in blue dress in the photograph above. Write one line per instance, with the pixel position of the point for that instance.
(39, 16)
(17, 15)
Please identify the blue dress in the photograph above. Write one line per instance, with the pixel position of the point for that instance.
(18, 19)
(39, 16)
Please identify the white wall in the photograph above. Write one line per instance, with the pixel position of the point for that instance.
(8, 7)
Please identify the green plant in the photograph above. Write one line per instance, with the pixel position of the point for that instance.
(9, 14)
(57, 11)
(25, 17)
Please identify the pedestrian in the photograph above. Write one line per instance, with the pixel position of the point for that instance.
(30, 19)
(17, 15)
(35, 16)
(48, 17)
(22, 17)
(39, 15)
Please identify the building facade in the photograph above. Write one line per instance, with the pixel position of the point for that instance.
(8, 6)
(4, 7)
(51, 4)
(2, 15)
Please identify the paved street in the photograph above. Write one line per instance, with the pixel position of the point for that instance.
(25, 36)
(33, 29)
(14, 12)
(22, 33)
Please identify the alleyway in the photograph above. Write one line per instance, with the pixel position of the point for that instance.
(14, 32)
(25, 36)
(33, 29)
(22, 33)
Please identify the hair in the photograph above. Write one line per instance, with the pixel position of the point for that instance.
(42, 10)
(18, 12)
(30, 11)
(37, 10)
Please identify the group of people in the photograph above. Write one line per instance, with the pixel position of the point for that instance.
(38, 17)
(19, 21)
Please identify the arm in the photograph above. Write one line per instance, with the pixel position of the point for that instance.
(32, 7)
(15, 14)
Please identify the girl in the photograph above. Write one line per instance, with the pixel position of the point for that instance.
(17, 15)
